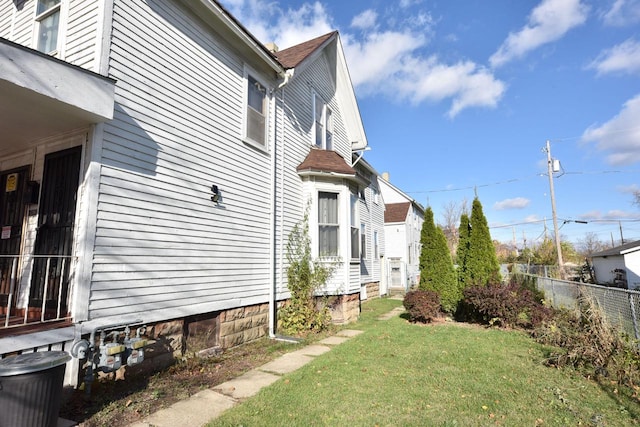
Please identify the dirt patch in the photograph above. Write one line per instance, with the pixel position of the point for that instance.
(122, 402)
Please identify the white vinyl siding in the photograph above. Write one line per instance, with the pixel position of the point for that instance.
(82, 34)
(162, 247)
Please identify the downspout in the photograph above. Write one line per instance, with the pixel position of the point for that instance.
(274, 217)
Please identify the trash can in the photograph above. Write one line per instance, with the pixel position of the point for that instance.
(31, 388)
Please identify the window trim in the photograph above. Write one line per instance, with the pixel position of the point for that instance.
(250, 73)
(354, 227)
(38, 19)
(326, 121)
(336, 225)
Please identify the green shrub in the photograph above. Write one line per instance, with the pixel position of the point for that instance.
(591, 344)
(305, 313)
(500, 305)
(422, 305)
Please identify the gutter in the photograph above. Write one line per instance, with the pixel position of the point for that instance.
(273, 244)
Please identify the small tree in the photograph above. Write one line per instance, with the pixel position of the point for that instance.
(436, 267)
(464, 278)
(305, 277)
(477, 260)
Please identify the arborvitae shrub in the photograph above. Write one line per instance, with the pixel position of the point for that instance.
(422, 305)
(499, 305)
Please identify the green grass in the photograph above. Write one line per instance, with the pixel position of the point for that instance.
(401, 374)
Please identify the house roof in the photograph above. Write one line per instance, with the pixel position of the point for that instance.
(396, 212)
(619, 250)
(294, 55)
(325, 161)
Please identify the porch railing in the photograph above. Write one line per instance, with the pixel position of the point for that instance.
(34, 289)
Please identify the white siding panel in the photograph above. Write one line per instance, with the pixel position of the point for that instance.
(22, 25)
(81, 33)
(161, 244)
(7, 10)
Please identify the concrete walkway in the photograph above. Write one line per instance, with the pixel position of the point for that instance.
(208, 404)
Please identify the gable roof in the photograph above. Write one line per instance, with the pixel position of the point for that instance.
(297, 58)
(396, 212)
(325, 161)
(293, 56)
(619, 250)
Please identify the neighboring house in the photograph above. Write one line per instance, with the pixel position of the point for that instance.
(619, 266)
(371, 213)
(155, 157)
(403, 220)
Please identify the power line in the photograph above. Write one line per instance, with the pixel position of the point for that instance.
(512, 180)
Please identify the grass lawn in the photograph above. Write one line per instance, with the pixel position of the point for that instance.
(400, 374)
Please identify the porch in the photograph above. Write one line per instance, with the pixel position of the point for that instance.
(34, 293)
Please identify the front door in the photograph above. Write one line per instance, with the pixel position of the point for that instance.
(54, 238)
(13, 186)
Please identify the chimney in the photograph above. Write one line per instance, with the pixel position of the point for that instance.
(385, 176)
(272, 47)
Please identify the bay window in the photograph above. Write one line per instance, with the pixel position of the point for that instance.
(328, 225)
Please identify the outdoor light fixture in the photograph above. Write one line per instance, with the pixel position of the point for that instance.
(215, 193)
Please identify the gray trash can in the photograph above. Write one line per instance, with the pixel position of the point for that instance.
(31, 388)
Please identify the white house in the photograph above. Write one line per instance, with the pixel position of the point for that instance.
(372, 247)
(154, 157)
(619, 266)
(403, 220)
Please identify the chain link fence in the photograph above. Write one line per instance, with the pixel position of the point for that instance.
(620, 306)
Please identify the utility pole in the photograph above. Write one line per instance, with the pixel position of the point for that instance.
(621, 237)
(553, 209)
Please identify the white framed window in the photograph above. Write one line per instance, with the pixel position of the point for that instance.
(322, 124)
(355, 230)
(47, 25)
(376, 247)
(328, 224)
(256, 111)
(363, 240)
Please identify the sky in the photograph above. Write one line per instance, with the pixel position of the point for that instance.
(459, 98)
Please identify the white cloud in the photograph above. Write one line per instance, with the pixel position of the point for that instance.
(624, 58)
(365, 20)
(628, 189)
(384, 61)
(548, 22)
(622, 13)
(620, 136)
(517, 203)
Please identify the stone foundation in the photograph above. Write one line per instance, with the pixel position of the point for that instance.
(344, 308)
(242, 325)
(373, 290)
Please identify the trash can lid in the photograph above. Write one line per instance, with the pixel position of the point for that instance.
(32, 362)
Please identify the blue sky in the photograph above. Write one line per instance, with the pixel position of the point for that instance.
(459, 96)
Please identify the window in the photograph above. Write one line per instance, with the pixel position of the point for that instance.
(47, 23)
(363, 241)
(376, 253)
(256, 112)
(328, 224)
(323, 124)
(355, 231)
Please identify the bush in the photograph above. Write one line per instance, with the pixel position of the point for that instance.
(499, 305)
(590, 344)
(423, 306)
